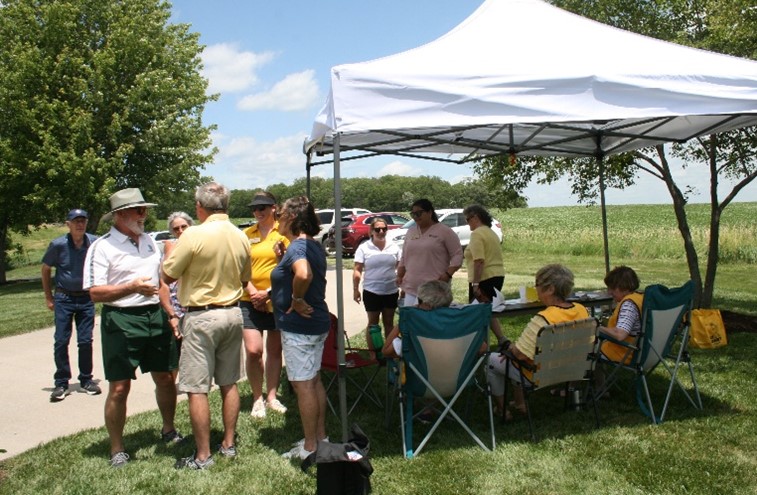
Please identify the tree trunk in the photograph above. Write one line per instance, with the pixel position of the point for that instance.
(679, 204)
(716, 210)
(3, 250)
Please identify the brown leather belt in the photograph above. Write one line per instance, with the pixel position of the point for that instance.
(191, 309)
(74, 293)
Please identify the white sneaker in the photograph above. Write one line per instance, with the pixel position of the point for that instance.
(258, 409)
(301, 442)
(276, 406)
(297, 452)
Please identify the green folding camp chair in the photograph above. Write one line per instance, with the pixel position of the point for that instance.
(440, 360)
(565, 354)
(663, 340)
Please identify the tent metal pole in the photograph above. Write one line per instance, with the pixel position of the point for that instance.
(342, 368)
(601, 164)
(308, 166)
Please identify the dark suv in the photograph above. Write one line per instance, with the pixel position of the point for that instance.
(356, 229)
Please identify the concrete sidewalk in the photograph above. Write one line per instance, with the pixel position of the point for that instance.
(28, 418)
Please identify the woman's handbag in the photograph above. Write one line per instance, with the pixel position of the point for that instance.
(707, 329)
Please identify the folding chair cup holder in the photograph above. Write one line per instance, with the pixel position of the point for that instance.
(565, 354)
(440, 360)
(663, 341)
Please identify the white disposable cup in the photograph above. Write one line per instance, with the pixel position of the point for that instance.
(522, 294)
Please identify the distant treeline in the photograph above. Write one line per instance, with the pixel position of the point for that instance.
(387, 193)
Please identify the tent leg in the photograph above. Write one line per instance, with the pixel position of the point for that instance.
(601, 166)
(339, 289)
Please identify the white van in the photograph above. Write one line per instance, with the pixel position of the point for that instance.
(453, 218)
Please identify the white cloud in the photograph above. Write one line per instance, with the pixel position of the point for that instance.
(398, 168)
(230, 69)
(246, 163)
(296, 91)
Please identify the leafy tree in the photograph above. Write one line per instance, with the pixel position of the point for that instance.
(95, 96)
(708, 24)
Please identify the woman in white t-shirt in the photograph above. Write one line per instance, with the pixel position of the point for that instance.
(376, 263)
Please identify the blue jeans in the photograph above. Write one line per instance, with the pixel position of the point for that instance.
(70, 309)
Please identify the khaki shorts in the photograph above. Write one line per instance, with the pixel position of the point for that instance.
(302, 355)
(210, 349)
(136, 337)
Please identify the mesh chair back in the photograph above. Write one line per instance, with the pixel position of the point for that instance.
(564, 352)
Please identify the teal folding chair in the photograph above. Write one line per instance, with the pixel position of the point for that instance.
(663, 340)
(440, 360)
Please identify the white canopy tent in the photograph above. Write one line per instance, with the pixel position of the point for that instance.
(523, 77)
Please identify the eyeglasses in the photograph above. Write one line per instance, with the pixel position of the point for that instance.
(260, 207)
(180, 228)
(417, 213)
(140, 210)
(380, 229)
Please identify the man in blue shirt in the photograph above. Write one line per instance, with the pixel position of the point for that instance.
(70, 303)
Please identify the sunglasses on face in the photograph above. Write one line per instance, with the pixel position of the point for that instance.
(259, 207)
(140, 210)
(180, 228)
(417, 213)
(379, 229)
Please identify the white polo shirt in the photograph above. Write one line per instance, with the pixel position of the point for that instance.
(115, 259)
(379, 267)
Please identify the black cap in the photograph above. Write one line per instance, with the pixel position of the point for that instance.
(261, 200)
(76, 213)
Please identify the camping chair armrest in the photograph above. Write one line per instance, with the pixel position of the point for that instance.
(603, 336)
(517, 362)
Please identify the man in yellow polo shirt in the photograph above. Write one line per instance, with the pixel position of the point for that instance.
(213, 262)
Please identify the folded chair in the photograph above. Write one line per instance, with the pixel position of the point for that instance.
(440, 360)
(361, 370)
(565, 354)
(663, 340)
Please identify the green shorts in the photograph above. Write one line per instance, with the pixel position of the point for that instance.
(136, 337)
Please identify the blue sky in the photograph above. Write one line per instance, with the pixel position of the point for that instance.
(270, 62)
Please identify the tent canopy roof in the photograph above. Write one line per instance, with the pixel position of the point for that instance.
(522, 76)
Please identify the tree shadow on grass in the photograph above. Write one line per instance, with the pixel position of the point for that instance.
(20, 287)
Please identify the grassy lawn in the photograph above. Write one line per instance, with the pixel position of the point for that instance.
(699, 452)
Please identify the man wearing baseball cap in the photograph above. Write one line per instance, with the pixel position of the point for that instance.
(122, 271)
(70, 303)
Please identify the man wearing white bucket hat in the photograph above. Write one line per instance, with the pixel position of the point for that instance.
(122, 271)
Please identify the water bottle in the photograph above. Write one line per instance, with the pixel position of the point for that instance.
(576, 399)
(377, 339)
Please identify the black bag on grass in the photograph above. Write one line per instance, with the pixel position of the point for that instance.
(343, 468)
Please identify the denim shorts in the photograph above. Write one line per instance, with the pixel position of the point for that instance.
(302, 355)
